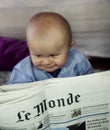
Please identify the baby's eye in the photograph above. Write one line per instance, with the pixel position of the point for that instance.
(38, 55)
(52, 55)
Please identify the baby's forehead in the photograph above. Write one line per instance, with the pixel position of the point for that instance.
(48, 49)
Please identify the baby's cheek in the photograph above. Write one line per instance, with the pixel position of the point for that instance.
(36, 62)
(62, 62)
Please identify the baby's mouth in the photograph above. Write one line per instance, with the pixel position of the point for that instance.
(49, 66)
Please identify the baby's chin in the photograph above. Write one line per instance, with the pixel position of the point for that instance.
(49, 69)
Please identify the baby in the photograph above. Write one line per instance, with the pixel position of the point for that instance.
(49, 39)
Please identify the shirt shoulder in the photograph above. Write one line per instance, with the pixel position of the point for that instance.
(22, 72)
(24, 67)
(79, 63)
(26, 62)
(76, 56)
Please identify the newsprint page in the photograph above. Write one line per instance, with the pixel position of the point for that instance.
(75, 103)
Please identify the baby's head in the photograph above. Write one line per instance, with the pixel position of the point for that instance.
(49, 39)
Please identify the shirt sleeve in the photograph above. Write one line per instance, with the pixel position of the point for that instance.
(84, 66)
(18, 77)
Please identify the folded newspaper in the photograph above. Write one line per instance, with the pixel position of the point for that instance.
(75, 103)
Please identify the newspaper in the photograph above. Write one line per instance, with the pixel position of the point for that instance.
(75, 103)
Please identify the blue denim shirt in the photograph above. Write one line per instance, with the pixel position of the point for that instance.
(24, 72)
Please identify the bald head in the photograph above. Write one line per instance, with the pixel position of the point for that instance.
(48, 26)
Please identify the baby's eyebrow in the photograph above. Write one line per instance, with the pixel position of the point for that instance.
(37, 54)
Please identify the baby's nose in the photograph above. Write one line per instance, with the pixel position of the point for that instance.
(47, 61)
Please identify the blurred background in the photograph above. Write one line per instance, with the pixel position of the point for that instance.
(89, 20)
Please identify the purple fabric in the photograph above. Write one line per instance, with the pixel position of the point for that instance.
(11, 52)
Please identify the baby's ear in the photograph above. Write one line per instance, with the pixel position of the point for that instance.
(73, 42)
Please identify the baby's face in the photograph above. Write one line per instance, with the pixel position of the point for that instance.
(48, 36)
(49, 57)
(48, 47)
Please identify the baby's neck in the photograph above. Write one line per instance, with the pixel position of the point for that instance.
(55, 73)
